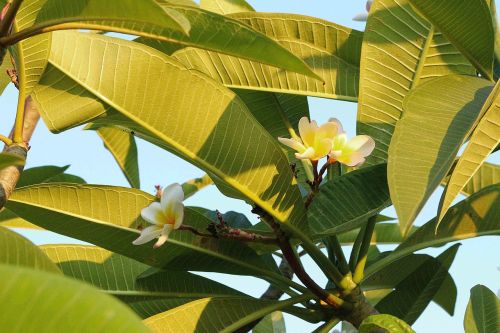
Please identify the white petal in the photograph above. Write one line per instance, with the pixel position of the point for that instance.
(362, 144)
(178, 212)
(340, 128)
(171, 194)
(153, 214)
(352, 160)
(307, 154)
(362, 17)
(292, 143)
(148, 234)
(167, 229)
(327, 131)
(307, 131)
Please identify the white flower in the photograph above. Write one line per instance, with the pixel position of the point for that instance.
(352, 152)
(362, 17)
(314, 142)
(164, 216)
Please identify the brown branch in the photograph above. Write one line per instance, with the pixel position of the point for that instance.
(10, 175)
(226, 232)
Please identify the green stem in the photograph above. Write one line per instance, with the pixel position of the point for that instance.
(355, 248)
(335, 251)
(328, 326)
(363, 251)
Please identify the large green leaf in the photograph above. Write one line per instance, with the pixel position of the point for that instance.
(16, 250)
(47, 174)
(331, 50)
(225, 7)
(483, 141)
(387, 322)
(483, 311)
(7, 160)
(384, 233)
(401, 49)
(468, 25)
(272, 323)
(39, 302)
(399, 275)
(478, 215)
(120, 276)
(215, 315)
(488, 174)
(412, 295)
(109, 217)
(438, 117)
(124, 150)
(185, 111)
(348, 201)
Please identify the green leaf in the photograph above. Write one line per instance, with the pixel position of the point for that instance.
(16, 250)
(47, 174)
(40, 302)
(192, 186)
(119, 276)
(473, 217)
(401, 49)
(124, 150)
(412, 295)
(225, 7)
(272, 323)
(109, 217)
(332, 51)
(483, 141)
(391, 276)
(348, 201)
(468, 25)
(483, 311)
(4, 78)
(206, 124)
(215, 315)
(438, 117)
(384, 233)
(11, 220)
(487, 174)
(389, 323)
(7, 160)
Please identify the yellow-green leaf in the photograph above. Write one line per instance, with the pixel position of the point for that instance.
(4, 78)
(483, 311)
(487, 174)
(332, 51)
(225, 7)
(387, 322)
(401, 49)
(483, 141)
(181, 110)
(192, 186)
(438, 117)
(468, 25)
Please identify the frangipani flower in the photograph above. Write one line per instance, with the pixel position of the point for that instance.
(362, 17)
(164, 216)
(352, 152)
(315, 141)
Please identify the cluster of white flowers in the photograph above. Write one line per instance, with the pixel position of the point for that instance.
(316, 142)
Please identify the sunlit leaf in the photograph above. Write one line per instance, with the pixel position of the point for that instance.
(389, 323)
(272, 323)
(192, 186)
(225, 7)
(438, 117)
(483, 311)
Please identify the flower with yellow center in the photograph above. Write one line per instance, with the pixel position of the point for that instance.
(351, 152)
(315, 141)
(164, 216)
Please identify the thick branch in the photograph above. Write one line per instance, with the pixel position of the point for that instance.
(10, 175)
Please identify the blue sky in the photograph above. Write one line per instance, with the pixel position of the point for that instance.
(476, 261)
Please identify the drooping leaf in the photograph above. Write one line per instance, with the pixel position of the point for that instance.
(109, 217)
(272, 323)
(120, 276)
(476, 216)
(401, 49)
(7, 160)
(214, 315)
(483, 311)
(47, 174)
(412, 295)
(487, 174)
(483, 141)
(392, 275)
(348, 201)
(48, 303)
(192, 186)
(227, 141)
(124, 150)
(389, 323)
(468, 25)
(332, 51)
(225, 7)
(438, 117)
(15, 250)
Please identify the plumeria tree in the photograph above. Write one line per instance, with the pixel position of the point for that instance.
(225, 88)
